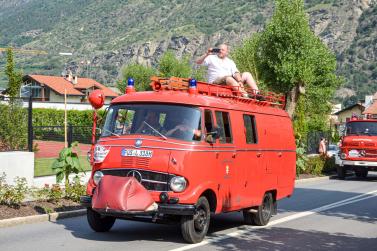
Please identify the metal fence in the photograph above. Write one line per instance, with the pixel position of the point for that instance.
(81, 134)
(15, 124)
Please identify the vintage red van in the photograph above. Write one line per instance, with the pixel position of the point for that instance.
(188, 149)
(358, 150)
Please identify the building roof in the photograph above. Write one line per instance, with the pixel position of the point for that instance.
(58, 84)
(350, 108)
(371, 109)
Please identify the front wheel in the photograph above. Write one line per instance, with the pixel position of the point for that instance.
(99, 223)
(194, 227)
(263, 213)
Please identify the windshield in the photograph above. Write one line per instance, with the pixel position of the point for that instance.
(165, 121)
(361, 128)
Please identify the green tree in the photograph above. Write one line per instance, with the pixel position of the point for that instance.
(141, 75)
(291, 58)
(245, 56)
(170, 65)
(14, 76)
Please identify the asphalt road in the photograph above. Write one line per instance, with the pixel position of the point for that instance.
(321, 215)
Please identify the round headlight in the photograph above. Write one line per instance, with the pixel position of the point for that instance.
(343, 156)
(178, 184)
(97, 177)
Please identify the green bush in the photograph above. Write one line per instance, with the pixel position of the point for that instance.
(51, 193)
(10, 195)
(80, 120)
(75, 190)
(315, 165)
(170, 66)
(141, 75)
(13, 127)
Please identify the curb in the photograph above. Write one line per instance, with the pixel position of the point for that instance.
(52, 217)
(312, 179)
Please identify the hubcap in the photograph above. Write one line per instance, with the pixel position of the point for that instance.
(200, 219)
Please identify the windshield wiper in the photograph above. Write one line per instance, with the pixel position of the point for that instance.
(155, 130)
(113, 133)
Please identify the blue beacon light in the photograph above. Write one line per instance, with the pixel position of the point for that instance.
(130, 85)
(192, 86)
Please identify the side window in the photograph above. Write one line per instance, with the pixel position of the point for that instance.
(250, 129)
(208, 121)
(223, 122)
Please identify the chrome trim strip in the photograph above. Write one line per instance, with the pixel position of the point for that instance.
(137, 169)
(154, 181)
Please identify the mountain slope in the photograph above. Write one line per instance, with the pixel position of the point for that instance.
(111, 33)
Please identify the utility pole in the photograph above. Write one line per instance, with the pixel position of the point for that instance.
(65, 104)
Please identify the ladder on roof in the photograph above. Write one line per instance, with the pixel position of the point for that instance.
(264, 98)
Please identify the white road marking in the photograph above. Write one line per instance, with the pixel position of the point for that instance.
(209, 239)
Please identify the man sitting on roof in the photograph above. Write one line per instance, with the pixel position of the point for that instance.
(223, 70)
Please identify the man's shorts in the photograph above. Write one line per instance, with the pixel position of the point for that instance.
(220, 81)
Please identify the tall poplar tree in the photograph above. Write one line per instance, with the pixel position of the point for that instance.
(14, 76)
(289, 58)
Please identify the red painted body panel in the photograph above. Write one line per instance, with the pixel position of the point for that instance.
(237, 173)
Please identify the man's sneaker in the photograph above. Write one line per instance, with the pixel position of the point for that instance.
(260, 98)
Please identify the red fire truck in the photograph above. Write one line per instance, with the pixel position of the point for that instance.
(358, 150)
(188, 149)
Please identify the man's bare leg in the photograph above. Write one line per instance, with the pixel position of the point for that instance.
(236, 86)
(248, 79)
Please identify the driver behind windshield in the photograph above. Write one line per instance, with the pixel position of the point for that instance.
(184, 130)
(151, 119)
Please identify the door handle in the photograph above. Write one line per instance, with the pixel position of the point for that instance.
(259, 154)
(280, 154)
(234, 155)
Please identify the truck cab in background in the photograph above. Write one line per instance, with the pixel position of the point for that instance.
(358, 150)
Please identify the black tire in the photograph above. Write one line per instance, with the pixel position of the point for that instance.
(263, 214)
(99, 223)
(361, 173)
(195, 227)
(341, 171)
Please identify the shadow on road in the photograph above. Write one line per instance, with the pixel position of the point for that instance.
(124, 231)
(279, 238)
(276, 238)
(372, 177)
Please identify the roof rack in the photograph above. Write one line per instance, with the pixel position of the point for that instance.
(260, 97)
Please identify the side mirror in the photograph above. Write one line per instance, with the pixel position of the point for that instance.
(99, 130)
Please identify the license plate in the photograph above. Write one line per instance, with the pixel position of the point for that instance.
(353, 153)
(137, 153)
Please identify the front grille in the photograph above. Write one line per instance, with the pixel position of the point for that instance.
(370, 153)
(152, 181)
(131, 162)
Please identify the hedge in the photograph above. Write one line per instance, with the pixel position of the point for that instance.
(53, 117)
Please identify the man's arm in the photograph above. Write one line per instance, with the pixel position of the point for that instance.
(201, 59)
